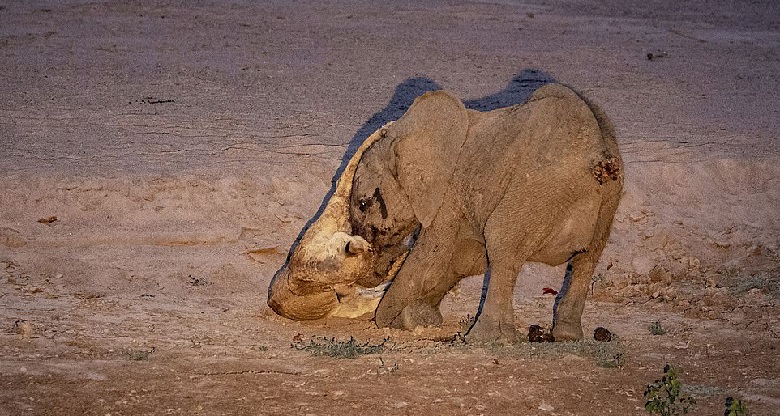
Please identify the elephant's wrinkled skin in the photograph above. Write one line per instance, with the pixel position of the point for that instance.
(536, 182)
(485, 192)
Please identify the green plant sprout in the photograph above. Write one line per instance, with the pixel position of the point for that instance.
(339, 349)
(656, 328)
(736, 407)
(665, 397)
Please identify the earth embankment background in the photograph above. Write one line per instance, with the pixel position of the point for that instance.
(158, 159)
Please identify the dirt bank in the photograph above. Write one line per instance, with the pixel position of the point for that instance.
(159, 159)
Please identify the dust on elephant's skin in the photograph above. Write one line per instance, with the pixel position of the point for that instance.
(489, 191)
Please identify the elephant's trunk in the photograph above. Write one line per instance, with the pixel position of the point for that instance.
(288, 299)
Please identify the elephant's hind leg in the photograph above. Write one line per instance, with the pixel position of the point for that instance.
(513, 234)
(567, 316)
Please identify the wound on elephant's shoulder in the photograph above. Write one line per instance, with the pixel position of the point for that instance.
(605, 169)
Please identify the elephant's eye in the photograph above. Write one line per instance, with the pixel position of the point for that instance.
(365, 203)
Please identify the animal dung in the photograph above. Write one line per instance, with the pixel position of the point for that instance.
(602, 335)
(538, 334)
(651, 56)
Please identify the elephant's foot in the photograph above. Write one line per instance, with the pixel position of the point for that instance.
(492, 331)
(414, 315)
(563, 331)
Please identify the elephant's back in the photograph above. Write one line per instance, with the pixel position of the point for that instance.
(546, 145)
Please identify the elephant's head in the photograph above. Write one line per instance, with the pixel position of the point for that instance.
(402, 180)
(393, 185)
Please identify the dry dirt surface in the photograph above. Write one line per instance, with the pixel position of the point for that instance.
(159, 158)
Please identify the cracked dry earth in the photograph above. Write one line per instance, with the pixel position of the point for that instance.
(159, 159)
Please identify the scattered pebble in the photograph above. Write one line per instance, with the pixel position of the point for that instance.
(652, 56)
(48, 220)
(23, 328)
(400, 404)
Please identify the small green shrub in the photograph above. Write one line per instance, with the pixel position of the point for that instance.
(767, 283)
(736, 407)
(656, 328)
(665, 397)
(139, 355)
(339, 349)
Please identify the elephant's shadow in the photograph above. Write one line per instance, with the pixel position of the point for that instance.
(517, 91)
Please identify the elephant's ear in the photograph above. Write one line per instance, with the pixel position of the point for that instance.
(428, 140)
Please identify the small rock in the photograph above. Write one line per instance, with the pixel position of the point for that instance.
(572, 358)
(721, 244)
(642, 265)
(23, 328)
(652, 56)
(546, 407)
(637, 216)
(658, 274)
(48, 220)
(400, 404)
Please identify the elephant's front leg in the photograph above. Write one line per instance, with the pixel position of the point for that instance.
(407, 303)
(445, 252)
(496, 321)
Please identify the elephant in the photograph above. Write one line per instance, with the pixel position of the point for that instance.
(447, 192)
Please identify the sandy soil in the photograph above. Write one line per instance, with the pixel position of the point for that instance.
(159, 158)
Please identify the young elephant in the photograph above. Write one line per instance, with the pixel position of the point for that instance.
(487, 192)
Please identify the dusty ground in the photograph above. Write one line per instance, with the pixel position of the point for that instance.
(159, 158)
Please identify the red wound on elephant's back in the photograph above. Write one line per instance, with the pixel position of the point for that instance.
(606, 169)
